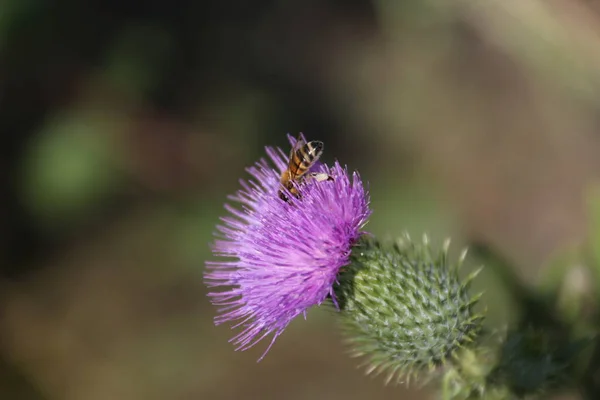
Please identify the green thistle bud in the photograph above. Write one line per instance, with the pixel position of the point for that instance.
(405, 308)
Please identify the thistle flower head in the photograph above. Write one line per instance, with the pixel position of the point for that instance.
(405, 308)
(282, 257)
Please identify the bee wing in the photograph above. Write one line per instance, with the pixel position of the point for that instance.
(298, 145)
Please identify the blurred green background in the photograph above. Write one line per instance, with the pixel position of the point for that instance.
(125, 125)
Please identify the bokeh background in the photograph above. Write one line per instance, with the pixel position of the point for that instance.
(125, 124)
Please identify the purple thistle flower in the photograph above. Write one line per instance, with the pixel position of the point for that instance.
(283, 257)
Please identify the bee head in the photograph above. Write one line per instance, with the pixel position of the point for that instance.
(315, 148)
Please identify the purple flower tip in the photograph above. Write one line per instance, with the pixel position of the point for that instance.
(282, 257)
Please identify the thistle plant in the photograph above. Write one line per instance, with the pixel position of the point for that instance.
(406, 308)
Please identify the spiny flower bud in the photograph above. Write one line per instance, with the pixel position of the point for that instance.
(405, 308)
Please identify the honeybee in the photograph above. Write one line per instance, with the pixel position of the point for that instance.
(302, 157)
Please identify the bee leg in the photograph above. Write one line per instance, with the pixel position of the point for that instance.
(283, 197)
(320, 176)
